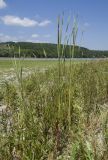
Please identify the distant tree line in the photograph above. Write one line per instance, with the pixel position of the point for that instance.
(42, 50)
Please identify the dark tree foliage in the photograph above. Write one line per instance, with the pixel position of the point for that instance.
(42, 50)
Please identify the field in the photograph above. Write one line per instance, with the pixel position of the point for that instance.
(7, 67)
(59, 113)
(8, 64)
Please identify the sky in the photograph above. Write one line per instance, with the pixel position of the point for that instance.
(36, 21)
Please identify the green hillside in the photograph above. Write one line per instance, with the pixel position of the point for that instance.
(41, 50)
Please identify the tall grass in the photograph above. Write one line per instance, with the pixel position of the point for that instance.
(58, 114)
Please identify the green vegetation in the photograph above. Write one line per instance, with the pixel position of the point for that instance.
(8, 64)
(59, 113)
(28, 49)
(7, 67)
(43, 124)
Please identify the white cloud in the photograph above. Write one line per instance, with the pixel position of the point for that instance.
(44, 23)
(33, 40)
(21, 38)
(2, 4)
(17, 21)
(1, 34)
(35, 36)
(24, 22)
(5, 38)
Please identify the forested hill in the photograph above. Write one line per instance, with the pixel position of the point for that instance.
(41, 50)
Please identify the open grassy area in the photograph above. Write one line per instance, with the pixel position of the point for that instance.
(7, 67)
(60, 113)
(8, 64)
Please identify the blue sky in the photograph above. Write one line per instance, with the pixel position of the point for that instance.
(36, 20)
